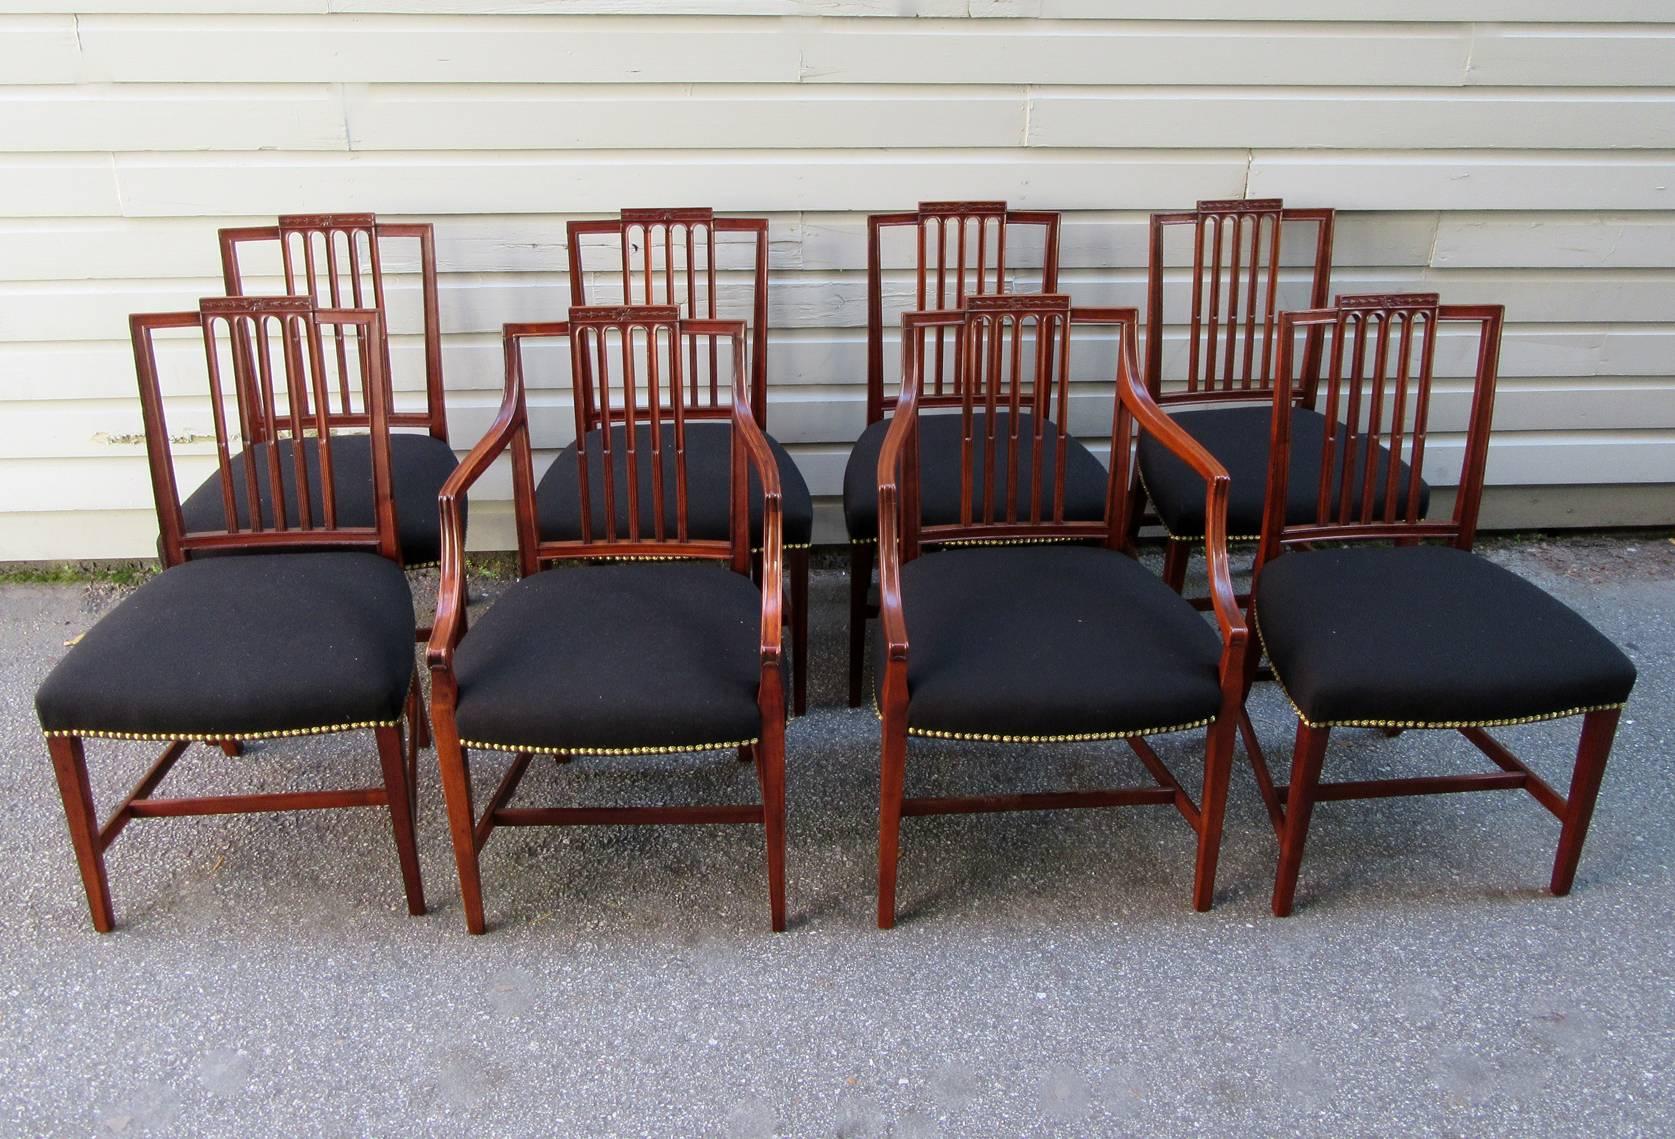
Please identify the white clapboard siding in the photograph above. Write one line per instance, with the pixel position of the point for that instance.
(1519, 152)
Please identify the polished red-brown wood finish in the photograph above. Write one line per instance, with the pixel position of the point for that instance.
(678, 257)
(1240, 250)
(633, 359)
(961, 249)
(1013, 353)
(1378, 355)
(278, 391)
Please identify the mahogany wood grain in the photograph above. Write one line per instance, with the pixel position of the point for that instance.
(961, 249)
(1013, 353)
(647, 349)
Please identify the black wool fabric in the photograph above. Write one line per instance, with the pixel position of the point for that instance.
(939, 472)
(242, 647)
(617, 655)
(1051, 640)
(709, 481)
(1428, 635)
(1239, 438)
(419, 465)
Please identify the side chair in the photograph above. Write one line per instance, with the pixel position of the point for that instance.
(342, 261)
(1226, 311)
(1066, 637)
(309, 633)
(960, 249)
(1373, 616)
(658, 641)
(710, 267)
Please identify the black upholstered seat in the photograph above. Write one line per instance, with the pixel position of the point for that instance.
(1052, 641)
(264, 644)
(1426, 635)
(1239, 439)
(709, 479)
(419, 465)
(625, 656)
(939, 472)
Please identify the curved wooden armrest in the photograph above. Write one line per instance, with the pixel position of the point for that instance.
(512, 418)
(1152, 418)
(892, 618)
(761, 456)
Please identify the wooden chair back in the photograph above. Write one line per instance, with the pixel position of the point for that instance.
(673, 257)
(962, 249)
(339, 262)
(1379, 358)
(628, 364)
(1236, 271)
(1014, 357)
(270, 381)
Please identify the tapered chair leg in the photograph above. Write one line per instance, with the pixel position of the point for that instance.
(456, 793)
(892, 779)
(69, 763)
(1598, 730)
(1299, 805)
(796, 567)
(1212, 807)
(1175, 557)
(860, 583)
(770, 772)
(232, 748)
(396, 786)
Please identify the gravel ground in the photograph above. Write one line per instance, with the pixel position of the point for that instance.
(1047, 975)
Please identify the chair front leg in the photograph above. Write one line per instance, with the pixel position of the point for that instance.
(892, 780)
(1299, 805)
(1212, 806)
(391, 754)
(860, 582)
(770, 773)
(462, 822)
(69, 763)
(1598, 730)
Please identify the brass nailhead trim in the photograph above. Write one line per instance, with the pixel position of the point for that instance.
(1436, 724)
(1073, 737)
(987, 541)
(1174, 537)
(549, 749)
(216, 737)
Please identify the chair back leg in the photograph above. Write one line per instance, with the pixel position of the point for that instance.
(397, 785)
(860, 583)
(69, 763)
(1598, 730)
(1305, 778)
(1175, 557)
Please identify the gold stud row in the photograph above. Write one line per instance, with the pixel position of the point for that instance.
(549, 749)
(217, 737)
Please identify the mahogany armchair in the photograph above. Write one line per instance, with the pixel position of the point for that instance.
(319, 604)
(339, 260)
(673, 257)
(1408, 635)
(1239, 254)
(1064, 637)
(961, 249)
(661, 642)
